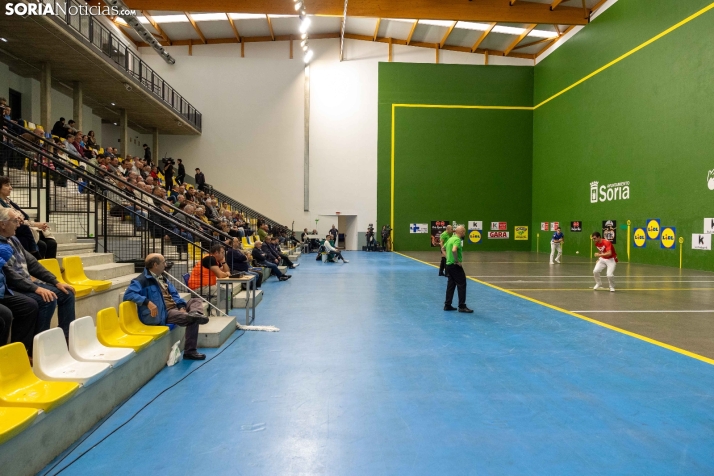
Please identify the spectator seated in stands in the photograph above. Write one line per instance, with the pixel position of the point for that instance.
(263, 230)
(25, 294)
(274, 244)
(205, 272)
(331, 250)
(34, 236)
(60, 129)
(159, 304)
(22, 325)
(263, 260)
(238, 260)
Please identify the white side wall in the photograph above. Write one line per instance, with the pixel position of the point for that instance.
(253, 114)
(111, 135)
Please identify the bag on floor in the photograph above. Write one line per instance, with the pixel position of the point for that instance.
(175, 355)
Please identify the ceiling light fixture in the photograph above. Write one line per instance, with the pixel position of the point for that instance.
(298, 5)
(308, 56)
(305, 25)
(113, 104)
(4, 40)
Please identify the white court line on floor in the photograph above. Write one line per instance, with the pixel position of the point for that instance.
(618, 278)
(584, 276)
(646, 312)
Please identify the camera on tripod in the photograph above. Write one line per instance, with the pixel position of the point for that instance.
(168, 160)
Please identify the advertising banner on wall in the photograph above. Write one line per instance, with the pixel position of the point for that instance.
(418, 228)
(653, 228)
(702, 241)
(609, 231)
(554, 226)
(709, 225)
(474, 236)
(520, 233)
(668, 238)
(437, 228)
(640, 237)
(498, 235)
(476, 225)
(576, 226)
(499, 226)
(544, 226)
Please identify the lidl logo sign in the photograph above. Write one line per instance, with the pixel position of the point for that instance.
(669, 238)
(640, 238)
(520, 233)
(653, 229)
(475, 236)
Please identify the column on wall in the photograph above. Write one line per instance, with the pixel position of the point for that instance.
(155, 146)
(77, 103)
(124, 134)
(46, 95)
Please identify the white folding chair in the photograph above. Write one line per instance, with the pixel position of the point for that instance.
(85, 347)
(52, 361)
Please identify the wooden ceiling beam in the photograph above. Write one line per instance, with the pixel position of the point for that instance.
(597, 6)
(376, 29)
(156, 26)
(195, 27)
(533, 43)
(459, 10)
(270, 27)
(233, 26)
(555, 4)
(482, 37)
(411, 32)
(519, 39)
(446, 36)
(552, 42)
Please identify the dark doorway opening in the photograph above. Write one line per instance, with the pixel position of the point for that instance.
(15, 102)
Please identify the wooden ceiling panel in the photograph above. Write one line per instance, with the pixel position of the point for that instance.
(481, 10)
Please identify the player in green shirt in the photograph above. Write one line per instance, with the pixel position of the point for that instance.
(442, 241)
(455, 271)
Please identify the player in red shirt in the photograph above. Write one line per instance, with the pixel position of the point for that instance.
(607, 258)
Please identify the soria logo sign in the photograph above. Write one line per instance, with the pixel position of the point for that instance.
(61, 8)
(610, 192)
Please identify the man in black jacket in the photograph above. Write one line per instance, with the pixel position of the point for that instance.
(274, 244)
(264, 261)
(181, 175)
(47, 293)
(237, 260)
(200, 180)
(147, 154)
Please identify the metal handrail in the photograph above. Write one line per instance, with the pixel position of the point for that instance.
(101, 38)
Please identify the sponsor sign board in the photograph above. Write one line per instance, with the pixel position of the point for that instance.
(476, 225)
(653, 229)
(437, 228)
(609, 231)
(576, 226)
(709, 225)
(544, 226)
(474, 236)
(520, 233)
(668, 239)
(418, 228)
(702, 241)
(554, 226)
(640, 237)
(499, 226)
(498, 235)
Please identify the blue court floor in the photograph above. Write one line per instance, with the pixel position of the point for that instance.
(368, 376)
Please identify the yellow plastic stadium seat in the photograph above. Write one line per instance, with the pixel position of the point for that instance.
(74, 274)
(13, 420)
(101, 150)
(194, 251)
(246, 244)
(52, 265)
(110, 333)
(19, 387)
(130, 323)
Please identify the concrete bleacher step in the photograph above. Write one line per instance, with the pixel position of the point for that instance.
(216, 332)
(109, 270)
(90, 259)
(239, 300)
(64, 237)
(75, 248)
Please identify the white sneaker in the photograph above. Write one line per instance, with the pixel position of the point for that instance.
(552, 262)
(597, 286)
(557, 260)
(345, 261)
(612, 290)
(296, 264)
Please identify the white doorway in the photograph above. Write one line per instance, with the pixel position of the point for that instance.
(347, 225)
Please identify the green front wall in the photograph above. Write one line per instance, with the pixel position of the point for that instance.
(455, 164)
(648, 120)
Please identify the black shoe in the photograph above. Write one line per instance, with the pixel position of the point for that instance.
(195, 355)
(449, 308)
(441, 274)
(288, 276)
(465, 309)
(283, 278)
(198, 317)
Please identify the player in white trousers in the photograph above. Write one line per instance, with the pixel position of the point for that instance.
(607, 259)
(556, 244)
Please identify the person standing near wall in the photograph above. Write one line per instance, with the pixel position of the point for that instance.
(607, 258)
(181, 175)
(442, 243)
(455, 271)
(200, 180)
(556, 244)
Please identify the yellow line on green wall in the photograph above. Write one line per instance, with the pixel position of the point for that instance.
(529, 108)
